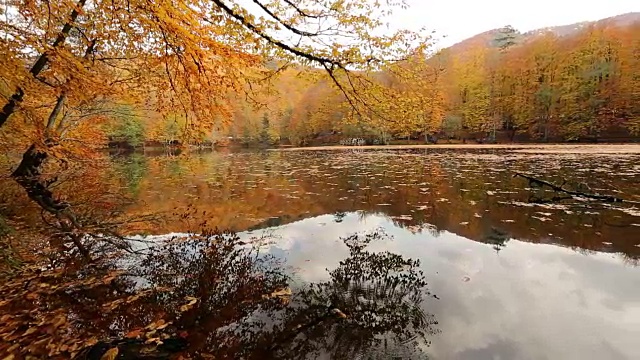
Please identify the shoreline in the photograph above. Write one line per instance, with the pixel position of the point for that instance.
(522, 148)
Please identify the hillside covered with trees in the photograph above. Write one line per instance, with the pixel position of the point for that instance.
(569, 83)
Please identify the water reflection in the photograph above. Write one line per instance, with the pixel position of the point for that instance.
(527, 301)
(219, 296)
(472, 194)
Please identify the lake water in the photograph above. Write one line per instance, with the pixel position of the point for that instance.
(513, 271)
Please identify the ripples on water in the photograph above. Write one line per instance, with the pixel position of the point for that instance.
(517, 277)
(379, 254)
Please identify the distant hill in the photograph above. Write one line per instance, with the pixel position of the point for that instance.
(487, 38)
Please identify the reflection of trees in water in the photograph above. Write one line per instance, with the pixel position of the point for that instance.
(133, 170)
(226, 299)
(379, 296)
(497, 238)
(463, 194)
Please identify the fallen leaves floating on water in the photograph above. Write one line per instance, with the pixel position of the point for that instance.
(284, 295)
(189, 305)
(281, 293)
(111, 354)
(339, 313)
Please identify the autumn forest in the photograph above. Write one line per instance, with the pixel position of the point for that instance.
(511, 87)
(187, 179)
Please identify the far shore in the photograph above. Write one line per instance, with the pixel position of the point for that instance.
(523, 148)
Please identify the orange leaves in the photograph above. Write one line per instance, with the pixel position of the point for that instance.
(110, 354)
(182, 59)
(134, 334)
(284, 295)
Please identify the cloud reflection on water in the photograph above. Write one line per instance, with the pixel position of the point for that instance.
(527, 301)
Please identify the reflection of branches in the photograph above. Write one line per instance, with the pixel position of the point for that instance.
(380, 296)
(226, 300)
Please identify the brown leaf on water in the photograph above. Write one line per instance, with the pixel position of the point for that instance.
(108, 279)
(339, 313)
(156, 341)
(60, 320)
(134, 334)
(283, 294)
(30, 331)
(154, 325)
(158, 325)
(286, 292)
(189, 305)
(111, 354)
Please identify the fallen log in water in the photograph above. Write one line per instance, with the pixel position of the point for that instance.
(559, 188)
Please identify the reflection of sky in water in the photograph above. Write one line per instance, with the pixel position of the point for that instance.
(528, 301)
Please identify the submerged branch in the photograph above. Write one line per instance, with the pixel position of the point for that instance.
(559, 188)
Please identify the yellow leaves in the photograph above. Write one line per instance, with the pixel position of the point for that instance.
(111, 354)
(284, 295)
(189, 305)
(158, 325)
(110, 306)
(30, 331)
(286, 292)
(156, 341)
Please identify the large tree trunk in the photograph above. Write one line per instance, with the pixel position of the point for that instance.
(16, 98)
(29, 175)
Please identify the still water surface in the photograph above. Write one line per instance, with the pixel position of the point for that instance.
(516, 274)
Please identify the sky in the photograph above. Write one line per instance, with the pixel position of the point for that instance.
(461, 19)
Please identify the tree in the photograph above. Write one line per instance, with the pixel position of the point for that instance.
(506, 38)
(126, 126)
(67, 64)
(470, 90)
(591, 80)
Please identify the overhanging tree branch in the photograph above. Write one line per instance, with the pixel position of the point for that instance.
(253, 28)
(559, 188)
(330, 65)
(16, 98)
(283, 23)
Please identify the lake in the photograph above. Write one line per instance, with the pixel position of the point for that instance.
(514, 270)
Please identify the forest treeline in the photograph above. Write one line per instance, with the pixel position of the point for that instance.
(582, 87)
(547, 88)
